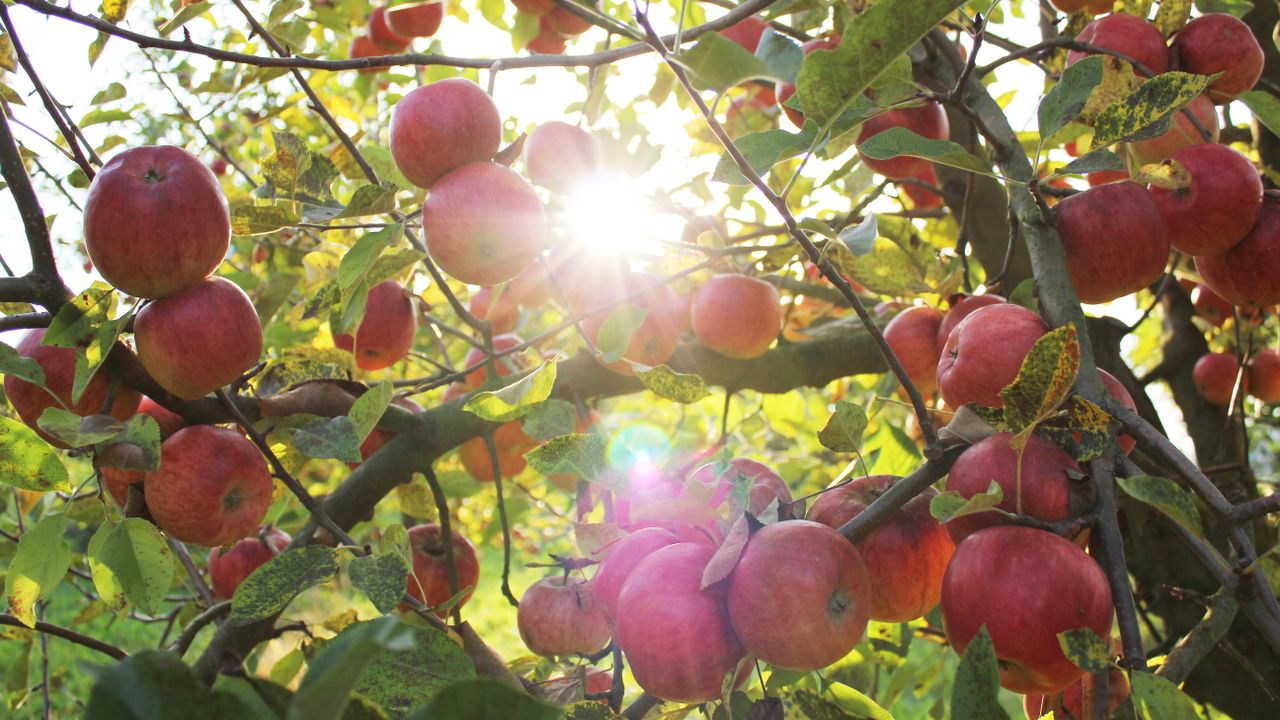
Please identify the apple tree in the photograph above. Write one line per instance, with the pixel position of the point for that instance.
(888, 359)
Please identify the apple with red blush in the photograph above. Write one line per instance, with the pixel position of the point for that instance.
(560, 616)
(913, 337)
(228, 569)
(429, 580)
(387, 329)
(736, 315)
(442, 126)
(1103, 270)
(984, 353)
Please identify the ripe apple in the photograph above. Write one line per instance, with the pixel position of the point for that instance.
(218, 166)
(511, 443)
(784, 91)
(116, 482)
(960, 309)
(442, 126)
(1026, 586)
(59, 366)
(799, 595)
(736, 315)
(1106, 177)
(484, 223)
(502, 315)
(913, 337)
(505, 365)
(1093, 7)
(429, 581)
(1044, 477)
(923, 198)
(717, 484)
(1248, 274)
(1101, 268)
(560, 616)
(213, 486)
(200, 339)
(1182, 133)
(547, 41)
(1118, 391)
(534, 7)
(379, 437)
(156, 221)
(1218, 208)
(1220, 43)
(363, 46)
(927, 120)
(566, 23)
(1215, 377)
(228, 569)
(905, 556)
(169, 422)
(656, 339)
(984, 353)
(1210, 305)
(746, 32)
(676, 635)
(621, 557)
(558, 155)
(386, 331)
(1071, 700)
(1127, 34)
(1264, 376)
(382, 35)
(420, 19)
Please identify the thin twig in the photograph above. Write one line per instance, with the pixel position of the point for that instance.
(65, 634)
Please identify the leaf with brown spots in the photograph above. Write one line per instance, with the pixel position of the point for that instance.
(1043, 383)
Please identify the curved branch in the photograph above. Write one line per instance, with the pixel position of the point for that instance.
(65, 634)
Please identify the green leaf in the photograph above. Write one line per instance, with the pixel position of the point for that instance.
(37, 567)
(830, 80)
(382, 578)
(332, 674)
(1044, 381)
(977, 685)
(1064, 102)
(615, 333)
(580, 454)
(77, 431)
(517, 399)
(113, 11)
(360, 258)
(76, 323)
(1172, 15)
(683, 388)
(185, 15)
(143, 432)
(762, 151)
(401, 680)
(900, 141)
(270, 588)
(140, 561)
(721, 63)
(949, 505)
(1265, 107)
(887, 269)
(93, 355)
(334, 438)
(1155, 698)
(1171, 499)
(287, 667)
(860, 239)
(20, 367)
(369, 200)
(104, 580)
(153, 685)
(1158, 99)
(860, 705)
(1094, 161)
(249, 220)
(844, 429)
(28, 462)
(1083, 647)
(815, 707)
(485, 700)
(369, 408)
(550, 418)
(781, 55)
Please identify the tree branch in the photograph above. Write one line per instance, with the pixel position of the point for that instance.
(65, 634)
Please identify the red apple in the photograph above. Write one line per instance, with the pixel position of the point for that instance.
(379, 437)
(656, 339)
(621, 557)
(905, 555)
(1026, 586)
(1127, 34)
(927, 120)
(59, 366)
(169, 422)
(960, 309)
(1118, 391)
(363, 46)
(718, 484)
(784, 91)
(429, 581)
(676, 635)
(1070, 701)
(116, 481)
(382, 35)
(506, 365)
(219, 166)
(923, 198)
(913, 337)
(502, 315)
(420, 19)
(1044, 480)
(442, 126)
(387, 329)
(228, 569)
(1215, 377)
(746, 32)
(484, 223)
(736, 315)
(1093, 7)
(1106, 177)
(200, 339)
(799, 595)
(984, 353)
(1210, 305)
(1248, 274)
(560, 616)
(213, 486)
(558, 155)
(1264, 376)
(511, 444)
(534, 7)
(1220, 43)
(1182, 133)
(156, 221)
(1089, 223)
(547, 41)
(566, 23)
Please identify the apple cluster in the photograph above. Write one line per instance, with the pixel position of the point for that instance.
(557, 25)
(392, 29)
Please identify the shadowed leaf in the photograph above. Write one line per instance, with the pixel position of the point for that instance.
(843, 431)
(28, 462)
(1170, 498)
(1083, 647)
(977, 684)
(270, 588)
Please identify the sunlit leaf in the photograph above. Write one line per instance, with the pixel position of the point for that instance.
(516, 399)
(37, 567)
(270, 588)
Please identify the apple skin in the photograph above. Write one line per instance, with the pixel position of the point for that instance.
(927, 120)
(566, 23)
(1026, 585)
(363, 46)
(961, 309)
(484, 223)
(1093, 7)
(505, 365)
(1210, 305)
(442, 126)
(200, 339)
(547, 41)
(502, 315)
(1128, 34)
(429, 583)
(1121, 393)
(511, 443)
(1089, 223)
(379, 437)
(534, 7)
(1106, 177)
(736, 315)
(1264, 376)
(213, 486)
(386, 331)
(676, 636)
(913, 337)
(382, 35)
(622, 557)
(784, 91)
(560, 616)
(156, 221)
(169, 422)
(59, 366)
(1220, 43)
(809, 576)
(654, 342)
(416, 20)
(923, 198)
(1046, 487)
(228, 569)
(708, 485)
(984, 353)
(116, 481)
(1181, 134)
(746, 32)
(1071, 701)
(1248, 274)
(905, 556)
(558, 155)
(1215, 377)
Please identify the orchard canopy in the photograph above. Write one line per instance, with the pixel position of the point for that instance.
(629, 359)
